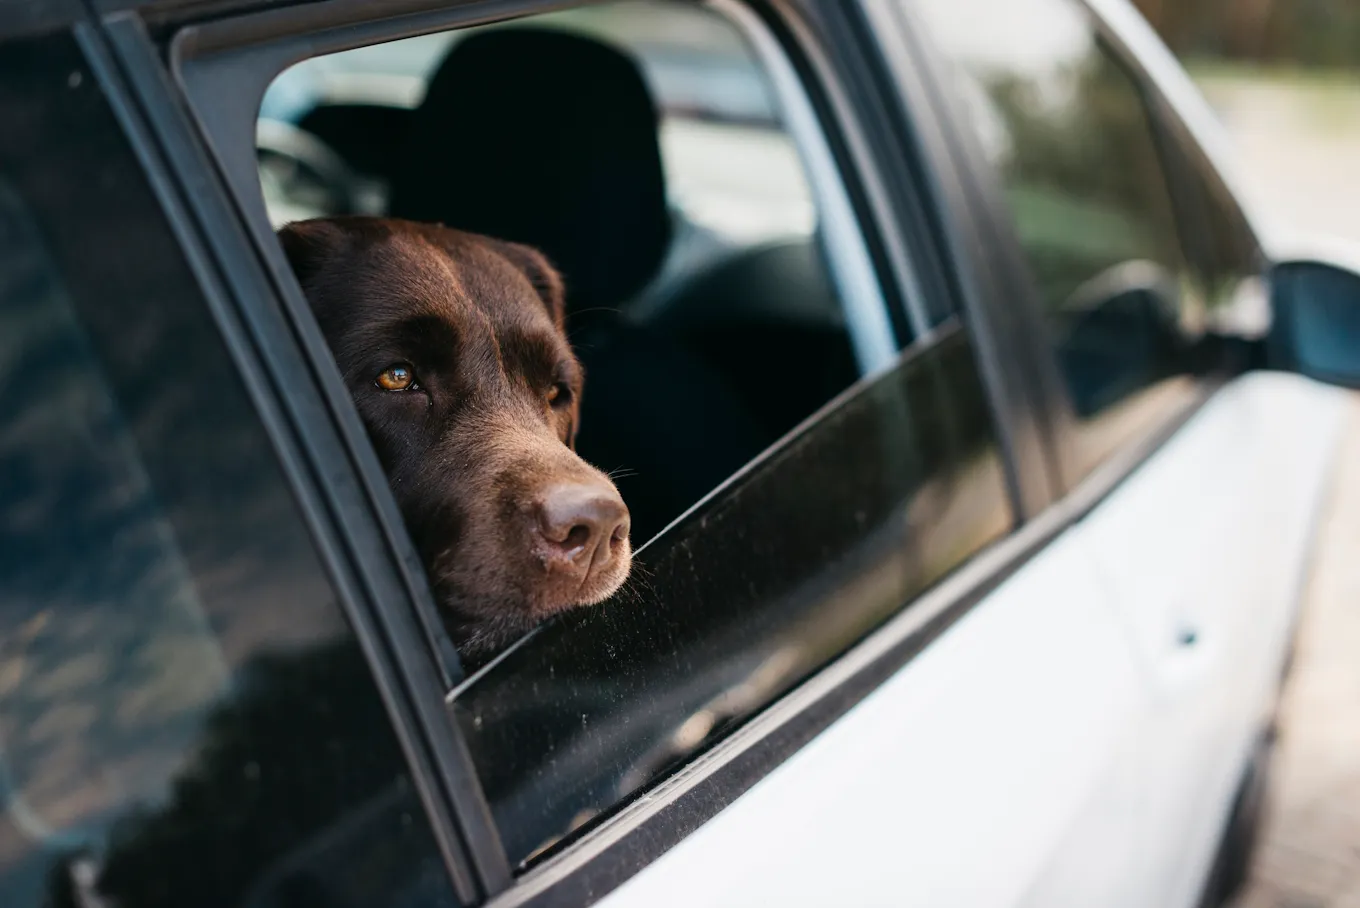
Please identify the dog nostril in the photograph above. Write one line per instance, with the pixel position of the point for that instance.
(577, 537)
(582, 521)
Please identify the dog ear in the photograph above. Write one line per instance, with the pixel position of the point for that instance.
(308, 244)
(541, 274)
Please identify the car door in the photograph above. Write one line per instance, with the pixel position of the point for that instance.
(1266, 445)
(1152, 289)
(875, 544)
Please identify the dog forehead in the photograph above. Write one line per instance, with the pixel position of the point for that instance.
(492, 281)
(408, 273)
(448, 271)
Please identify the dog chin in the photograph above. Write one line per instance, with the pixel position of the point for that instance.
(599, 592)
(482, 636)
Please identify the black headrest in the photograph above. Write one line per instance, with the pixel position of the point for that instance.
(547, 139)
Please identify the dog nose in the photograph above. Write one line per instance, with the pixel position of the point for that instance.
(584, 523)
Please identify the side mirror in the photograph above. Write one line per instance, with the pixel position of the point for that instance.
(1316, 329)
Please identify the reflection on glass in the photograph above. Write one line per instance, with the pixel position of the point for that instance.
(184, 719)
(1080, 165)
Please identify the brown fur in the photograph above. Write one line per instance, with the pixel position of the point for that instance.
(478, 454)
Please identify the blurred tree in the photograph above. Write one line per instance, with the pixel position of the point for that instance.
(1321, 33)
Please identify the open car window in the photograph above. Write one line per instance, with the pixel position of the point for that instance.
(759, 324)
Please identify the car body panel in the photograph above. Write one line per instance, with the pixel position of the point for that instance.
(1061, 745)
(1210, 538)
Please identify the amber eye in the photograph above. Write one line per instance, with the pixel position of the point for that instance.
(397, 377)
(559, 395)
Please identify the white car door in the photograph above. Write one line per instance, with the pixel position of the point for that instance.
(1205, 549)
(955, 783)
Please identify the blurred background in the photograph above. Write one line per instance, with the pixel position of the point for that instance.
(1284, 77)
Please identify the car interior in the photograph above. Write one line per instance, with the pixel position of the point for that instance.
(702, 310)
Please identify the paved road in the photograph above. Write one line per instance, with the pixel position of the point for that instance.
(1299, 142)
(1310, 853)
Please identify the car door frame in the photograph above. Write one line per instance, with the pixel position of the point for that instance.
(325, 440)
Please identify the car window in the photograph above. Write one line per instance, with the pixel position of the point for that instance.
(739, 303)
(797, 474)
(714, 103)
(1078, 159)
(185, 716)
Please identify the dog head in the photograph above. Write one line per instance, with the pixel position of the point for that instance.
(453, 348)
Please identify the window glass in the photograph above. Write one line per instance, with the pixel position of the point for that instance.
(185, 718)
(734, 606)
(1079, 162)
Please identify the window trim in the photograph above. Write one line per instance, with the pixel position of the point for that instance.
(626, 843)
(852, 271)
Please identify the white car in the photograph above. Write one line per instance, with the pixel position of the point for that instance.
(974, 434)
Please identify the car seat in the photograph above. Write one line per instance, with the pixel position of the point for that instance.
(550, 139)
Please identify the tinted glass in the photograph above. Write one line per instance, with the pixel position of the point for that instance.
(801, 556)
(1226, 256)
(1079, 162)
(185, 718)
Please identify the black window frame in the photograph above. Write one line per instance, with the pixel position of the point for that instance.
(842, 71)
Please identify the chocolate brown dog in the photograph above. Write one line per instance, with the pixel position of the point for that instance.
(453, 347)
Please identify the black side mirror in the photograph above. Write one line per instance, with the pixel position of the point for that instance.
(1316, 330)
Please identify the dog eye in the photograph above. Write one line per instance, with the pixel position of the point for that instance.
(397, 377)
(559, 395)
